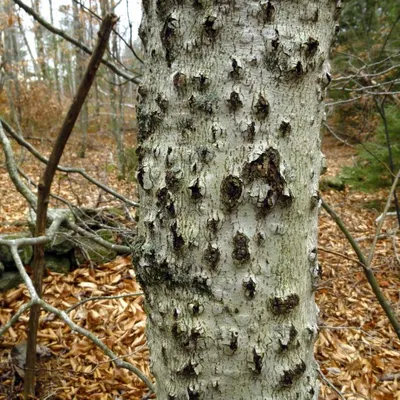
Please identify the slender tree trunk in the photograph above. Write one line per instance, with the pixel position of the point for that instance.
(28, 47)
(79, 69)
(229, 159)
(115, 97)
(40, 42)
(56, 61)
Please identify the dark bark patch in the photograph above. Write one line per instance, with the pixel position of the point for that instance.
(205, 154)
(210, 27)
(298, 70)
(285, 128)
(237, 70)
(196, 189)
(179, 80)
(212, 255)
(200, 284)
(234, 101)
(202, 103)
(314, 201)
(250, 131)
(290, 376)
(177, 239)
(168, 37)
(284, 305)
(310, 333)
(315, 17)
(195, 308)
(147, 122)
(250, 288)
(177, 313)
(163, 6)
(234, 339)
(165, 201)
(193, 394)
(289, 340)
(231, 191)
(201, 82)
(312, 46)
(172, 179)
(213, 225)
(140, 177)
(143, 91)
(162, 102)
(257, 360)
(261, 108)
(338, 10)
(267, 11)
(260, 238)
(241, 251)
(152, 272)
(275, 42)
(143, 33)
(189, 370)
(266, 167)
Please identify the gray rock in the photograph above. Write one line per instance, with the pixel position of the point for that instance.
(61, 244)
(9, 280)
(25, 252)
(53, 263)
(90, 250)
(331, 182)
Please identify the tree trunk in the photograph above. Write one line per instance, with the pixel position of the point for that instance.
(229, 159)
(79, 27)
(40, 49)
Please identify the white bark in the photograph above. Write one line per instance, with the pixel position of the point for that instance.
(229, 119)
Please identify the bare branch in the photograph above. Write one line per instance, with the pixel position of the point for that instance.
(20, 140)
(387, 308)
(119, 296)
(75, 42)
(45, 187)
(25, 307)
(382, 218)
(118, 248)
(12, 170)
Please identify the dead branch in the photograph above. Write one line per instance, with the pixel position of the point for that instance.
(94, 298)
(21, 141)
(44, 192)
(13, 172)
(387, 308)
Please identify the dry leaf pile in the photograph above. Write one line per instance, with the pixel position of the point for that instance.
(77, 369)
(357, 350)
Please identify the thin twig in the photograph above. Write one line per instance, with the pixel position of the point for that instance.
(382, 220)
(120, 296)
(387, 308)
(340, 255)
(330, 384)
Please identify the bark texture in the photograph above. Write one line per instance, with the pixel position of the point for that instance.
(229, 159)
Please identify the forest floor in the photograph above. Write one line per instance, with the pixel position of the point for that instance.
(357, 350)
